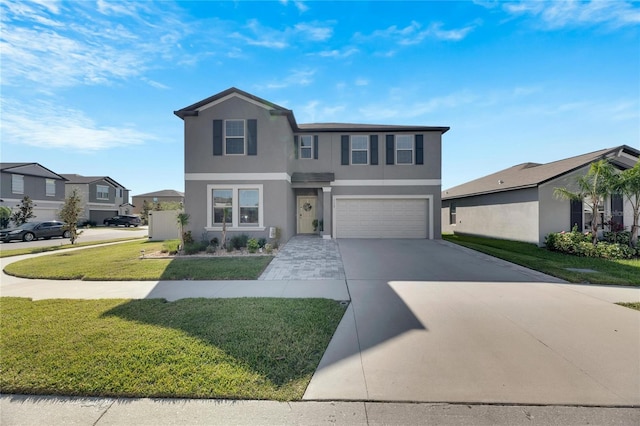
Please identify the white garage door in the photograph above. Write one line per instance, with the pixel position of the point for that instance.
(381, 218)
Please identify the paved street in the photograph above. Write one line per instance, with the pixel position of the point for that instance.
(88, 235)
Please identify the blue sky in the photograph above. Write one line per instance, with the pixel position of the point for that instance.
(90, 87)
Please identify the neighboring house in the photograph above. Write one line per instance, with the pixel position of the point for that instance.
(519, 203)
(248, 157)
(166, 195)
(44, 187)
(102, 196)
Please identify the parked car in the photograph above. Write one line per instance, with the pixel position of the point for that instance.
(125, 219)
(34, 230)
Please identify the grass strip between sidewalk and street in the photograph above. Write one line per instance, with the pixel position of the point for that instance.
(193, 348)
(617, 272)
(4, 252)
(122, 262)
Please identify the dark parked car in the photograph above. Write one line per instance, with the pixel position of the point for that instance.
(125, 219)
(33, 230)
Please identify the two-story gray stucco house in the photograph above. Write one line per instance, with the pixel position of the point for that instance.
(248, 157)
(164, 196)
(44, 187)
(102, 196)
(519, 204)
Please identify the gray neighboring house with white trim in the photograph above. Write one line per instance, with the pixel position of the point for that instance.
(249, 157)
(102, 197)
(519, 204)
(44, 187)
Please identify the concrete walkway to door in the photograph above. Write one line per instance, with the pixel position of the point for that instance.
(306, 257)
(432, 322)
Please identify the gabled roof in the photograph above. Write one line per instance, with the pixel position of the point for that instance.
(163, 193)
(85, 180)
(277, 110)
(30, 169)
(530, 175)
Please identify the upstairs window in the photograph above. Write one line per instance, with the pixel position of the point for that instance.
(50, 187)
(234, 137)
(102, 192)
(17, 184)
(359, 149)
(306, 146)
(404, 149)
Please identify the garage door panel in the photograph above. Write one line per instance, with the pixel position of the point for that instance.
(381, 218)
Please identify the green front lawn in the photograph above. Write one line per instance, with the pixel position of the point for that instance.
(7, 252)
(634, 305)
(621, 272)
(191, 348)
(121, 262)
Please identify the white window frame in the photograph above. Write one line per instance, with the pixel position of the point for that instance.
(17, 184)
(99, 192)
(412, 149)
(50, 187)
(235, 215)
(352, 150)
(302, 149)
(244, 136)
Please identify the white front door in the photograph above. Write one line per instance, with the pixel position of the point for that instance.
(306, 214)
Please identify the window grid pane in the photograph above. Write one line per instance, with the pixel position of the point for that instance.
(405, 157)
(249, 202)
(50, 187)
(235, 146)
(102, 192)
(359, 157)
(235, 128)
(17, 184)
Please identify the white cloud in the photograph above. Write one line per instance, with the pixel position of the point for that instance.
(361, 81)
(49, 125)
(414, 34)
(41, 44)
(315, 31)
(301, 6)
(314, 112)
(296, 78)
(335, 53)
(570, 13)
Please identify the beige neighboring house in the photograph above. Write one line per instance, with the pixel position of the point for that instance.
(166, 195)
(102, 196)
(519, 204)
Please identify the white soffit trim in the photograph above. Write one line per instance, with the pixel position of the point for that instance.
(237, 176)
(627, 156)
(387, 182)
(233, 95)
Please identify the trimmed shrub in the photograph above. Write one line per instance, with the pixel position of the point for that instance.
(252, 245)
(239, 241)
(579, 244)
(262, 242)
(620, 237)
(170, 246)
(193, 248)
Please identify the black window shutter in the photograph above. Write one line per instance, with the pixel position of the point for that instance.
(419, 149)
(344, 151)
(390, 150)
(295, 147)
(576, 214)
(374, 150)
(617, 209)
(217, 137)
(315, 147)
(252, 142)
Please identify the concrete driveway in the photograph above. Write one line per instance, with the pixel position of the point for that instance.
(433, 322)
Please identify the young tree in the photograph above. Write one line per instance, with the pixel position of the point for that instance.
(147, 206)
(627, 183)
(5, 216)
(70, 214)
(24, 212)
(183, 220)
(593, 188)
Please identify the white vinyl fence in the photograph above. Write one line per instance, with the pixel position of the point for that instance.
(163, 225)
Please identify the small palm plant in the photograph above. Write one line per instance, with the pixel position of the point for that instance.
(183, 220)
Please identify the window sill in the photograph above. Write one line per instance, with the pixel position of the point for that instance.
(236, 228)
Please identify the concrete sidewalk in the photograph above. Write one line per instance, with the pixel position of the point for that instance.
(17, 410)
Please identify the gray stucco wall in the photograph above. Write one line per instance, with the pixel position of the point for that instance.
(509, 215)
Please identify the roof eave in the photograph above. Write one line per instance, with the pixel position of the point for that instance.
(493, 191)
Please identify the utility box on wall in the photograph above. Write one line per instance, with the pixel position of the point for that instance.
(163, 225)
